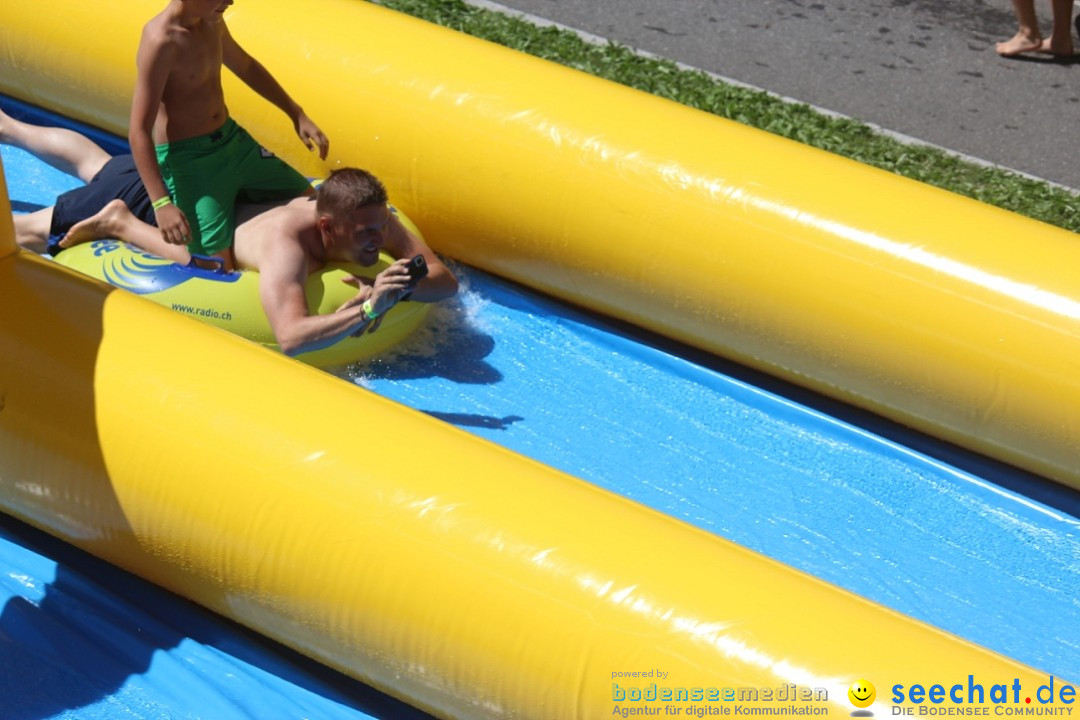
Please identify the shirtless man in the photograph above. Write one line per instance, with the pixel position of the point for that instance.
(194, 160)
(349, 221)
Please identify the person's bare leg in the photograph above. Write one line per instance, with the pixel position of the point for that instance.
(1060, 42)
(1028, 37)
(228, 257)
(65, 150)
(115, 220)
(32, 230)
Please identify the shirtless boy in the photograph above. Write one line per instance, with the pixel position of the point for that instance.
(194, 160)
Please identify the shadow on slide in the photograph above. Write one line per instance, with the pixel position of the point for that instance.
(94, 635)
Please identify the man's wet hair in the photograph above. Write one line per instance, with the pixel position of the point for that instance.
(348, 189)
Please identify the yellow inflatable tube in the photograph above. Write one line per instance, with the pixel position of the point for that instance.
(938, 312)
(230, 300)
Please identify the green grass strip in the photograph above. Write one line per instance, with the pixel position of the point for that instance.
(758, 109)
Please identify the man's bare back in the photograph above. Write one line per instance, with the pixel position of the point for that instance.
(261, 227)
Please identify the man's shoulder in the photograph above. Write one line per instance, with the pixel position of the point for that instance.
(280, 235)
(167, 28)
(295, 215)
(160, 31)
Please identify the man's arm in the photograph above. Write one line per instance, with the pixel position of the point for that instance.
(153, 62)
(282, 277)
(259, 79)
(400, 243)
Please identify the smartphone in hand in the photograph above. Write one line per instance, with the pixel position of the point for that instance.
(418, 269)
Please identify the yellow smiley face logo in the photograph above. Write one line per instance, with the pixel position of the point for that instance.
(861, 693)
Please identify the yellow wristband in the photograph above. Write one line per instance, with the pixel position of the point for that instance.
(369, 310)
(162, 202)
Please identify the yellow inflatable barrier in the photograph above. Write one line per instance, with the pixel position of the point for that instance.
(442, 569)
(427, 578)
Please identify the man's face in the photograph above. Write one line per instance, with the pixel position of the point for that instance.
(360, 234)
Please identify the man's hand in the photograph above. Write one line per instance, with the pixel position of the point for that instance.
(311, 135)
(173, 225)
(390, 285)
(383, 292)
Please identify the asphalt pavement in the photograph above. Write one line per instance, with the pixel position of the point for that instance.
(925, 69)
